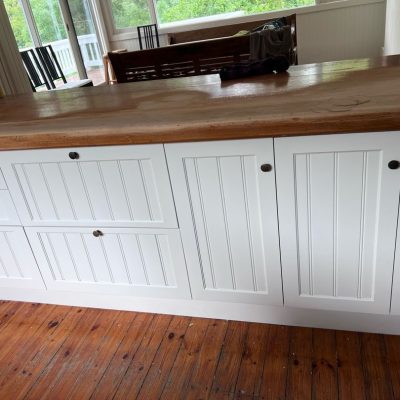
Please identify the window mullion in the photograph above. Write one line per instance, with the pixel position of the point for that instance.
(153, 11)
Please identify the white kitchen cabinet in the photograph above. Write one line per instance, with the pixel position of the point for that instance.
(8, 213)
(18, 267)
(120, 261)
(227, 214)
(338, 206)
(121, 186)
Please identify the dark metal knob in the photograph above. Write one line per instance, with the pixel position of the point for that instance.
(73, 155)
(97, 233)
(266, 167)
(394, 164)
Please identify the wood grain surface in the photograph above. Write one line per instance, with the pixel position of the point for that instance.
(346, 96)
(60, 352)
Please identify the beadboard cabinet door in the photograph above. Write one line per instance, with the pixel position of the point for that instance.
(338, 206)
(126, 186)
(18, 267)
(120, 261)
(227, 214)
(8, 213)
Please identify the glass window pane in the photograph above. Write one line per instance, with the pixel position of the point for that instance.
(87, 39)
(130, 13)
(178, 10)
(18, 24)
(50, 25)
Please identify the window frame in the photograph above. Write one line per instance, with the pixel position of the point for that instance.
(116, 35)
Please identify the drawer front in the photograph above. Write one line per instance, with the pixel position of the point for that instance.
(8, 214)
(104, 186)
(126, 261)
(17, 265)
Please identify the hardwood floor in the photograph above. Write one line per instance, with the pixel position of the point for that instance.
(59, 352)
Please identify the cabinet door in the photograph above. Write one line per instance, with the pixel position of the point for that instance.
(338, 205)
(105, 186)
(8, 214)
(17, 265)
(227, 214)
(125, 261)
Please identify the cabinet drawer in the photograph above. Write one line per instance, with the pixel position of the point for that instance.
(17, 265)
(104, 186)
(126, 261)
(8, 214)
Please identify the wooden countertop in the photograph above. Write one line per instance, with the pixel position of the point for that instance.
(347, 96)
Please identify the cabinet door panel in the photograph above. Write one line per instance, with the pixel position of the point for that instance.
(338, 204)
(17, 265)
(227, 213)
(109, 186)
(8, 214)
(127, 261)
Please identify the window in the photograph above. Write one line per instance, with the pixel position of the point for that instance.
(178, 10)
(130, 13)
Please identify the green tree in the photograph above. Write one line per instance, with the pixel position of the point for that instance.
(18, 23)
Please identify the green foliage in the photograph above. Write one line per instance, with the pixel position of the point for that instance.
(178, 10)
(18, 23)
(128, 13)
(48, 20)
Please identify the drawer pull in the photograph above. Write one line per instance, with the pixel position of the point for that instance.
(394, 164)
(266, 167)
(73, 155)
(97, 233)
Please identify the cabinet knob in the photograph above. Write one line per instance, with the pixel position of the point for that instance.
(73, 155)
(394, 164)
(97, 233)
(266, 167)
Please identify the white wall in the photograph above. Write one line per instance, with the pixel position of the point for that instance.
(337, 31)
(392, 36)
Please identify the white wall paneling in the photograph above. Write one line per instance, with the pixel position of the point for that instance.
(338, 204)
(227, 214)
(392, 29)
(18, 267)
(107, 186)
(122, 261)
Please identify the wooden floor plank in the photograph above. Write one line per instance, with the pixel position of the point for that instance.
(28, 347)
(276, 363)
(96, 364)
(324, 365)
(350, 374)
(392, 344)
(18, 340)
(8, 311)
(230, 359)
(200, 383)
(156, 378)
(83, 355)
(299, 378)
(141, 363)
(376, 370)
(62, 361)
(179, 377)
(252, 366)
(123, 357)
(56, 352)
(27, 374)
